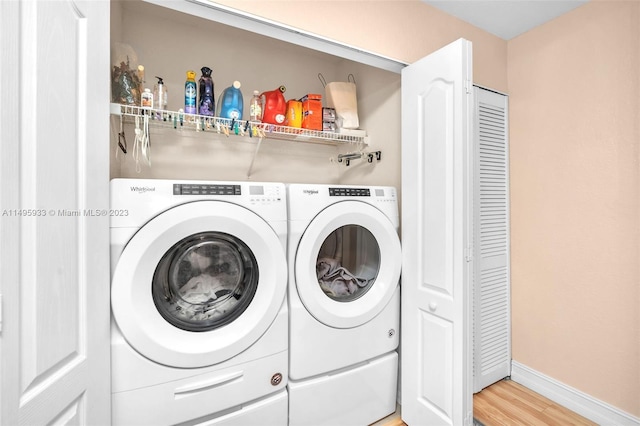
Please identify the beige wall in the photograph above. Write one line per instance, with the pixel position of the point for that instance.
(574, 87)
(402, 29)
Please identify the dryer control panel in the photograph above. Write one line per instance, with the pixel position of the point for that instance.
(307, 200)
(349, 192)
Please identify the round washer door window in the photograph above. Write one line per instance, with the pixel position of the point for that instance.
(348, 264)
(205, 281)
(199, 284)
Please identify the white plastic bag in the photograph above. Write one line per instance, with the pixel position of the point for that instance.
(342, 97)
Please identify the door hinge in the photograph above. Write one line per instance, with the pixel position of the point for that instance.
(468, 254)
(467, 86)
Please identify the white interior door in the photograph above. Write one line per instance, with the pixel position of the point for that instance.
(492, 277)
(436, 238)
(54, 251)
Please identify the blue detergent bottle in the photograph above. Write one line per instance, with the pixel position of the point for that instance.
(230, 103)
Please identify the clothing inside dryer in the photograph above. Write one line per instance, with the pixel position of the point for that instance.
(348, 263)
(205, 281)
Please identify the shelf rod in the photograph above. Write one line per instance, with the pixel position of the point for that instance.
(272, 131)
(255, 154)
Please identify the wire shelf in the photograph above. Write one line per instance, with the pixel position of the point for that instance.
(201, 123)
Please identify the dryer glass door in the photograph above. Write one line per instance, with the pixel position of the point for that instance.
(205, 281)
(348, 263)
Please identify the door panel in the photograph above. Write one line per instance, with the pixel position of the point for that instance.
(54, 253)
(437, 180)
(436, 237)
(492, 331)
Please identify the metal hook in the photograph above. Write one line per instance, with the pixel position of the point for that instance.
(122, 140)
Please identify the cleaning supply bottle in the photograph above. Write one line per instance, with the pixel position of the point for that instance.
(190, 93)
(293, 117)
(147, 99)
(255, 107)
(160, 96)
(207, 104)
(274, 106)
(230, 103)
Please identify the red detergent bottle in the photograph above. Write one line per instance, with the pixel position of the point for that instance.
(275, 106)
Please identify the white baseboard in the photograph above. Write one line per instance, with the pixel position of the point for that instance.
(575, 400)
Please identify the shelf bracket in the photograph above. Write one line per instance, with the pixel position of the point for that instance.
(358, 155)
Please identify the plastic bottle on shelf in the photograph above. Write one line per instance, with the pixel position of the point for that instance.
(141, 81)
(190, 93)
(147, 99)
(207, 103)
(274, 106)
(293, 117)
(160, 96)
(230, 103)
(255, 107)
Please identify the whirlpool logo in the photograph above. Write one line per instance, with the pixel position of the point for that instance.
(310, 191)
(143, 189)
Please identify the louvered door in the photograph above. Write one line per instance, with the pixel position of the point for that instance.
(492, 325)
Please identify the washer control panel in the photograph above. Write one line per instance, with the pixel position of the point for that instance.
(264, 194)
(205, 189)
(255, 194)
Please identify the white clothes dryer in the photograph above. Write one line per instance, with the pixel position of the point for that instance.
(344, 303)
(198, 297)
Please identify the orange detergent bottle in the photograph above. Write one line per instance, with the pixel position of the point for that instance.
(293, 117)
(275, 106)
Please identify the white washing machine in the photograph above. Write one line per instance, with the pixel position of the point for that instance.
(199, 315)
(344, 303)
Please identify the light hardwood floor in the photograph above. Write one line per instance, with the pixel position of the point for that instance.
(509, 403)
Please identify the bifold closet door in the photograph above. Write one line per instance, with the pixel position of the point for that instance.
(491, 301)
(54, 195)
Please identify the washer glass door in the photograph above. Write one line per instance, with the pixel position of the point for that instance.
(205, 281)
(199, 284)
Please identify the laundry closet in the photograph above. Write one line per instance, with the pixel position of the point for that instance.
(168, 43)
(339, 343)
